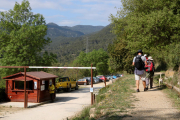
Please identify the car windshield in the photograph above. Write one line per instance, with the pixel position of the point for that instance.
(62, 79)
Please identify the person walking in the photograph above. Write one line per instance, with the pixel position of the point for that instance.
(51, 90)
(151, 74)
(145, 55)
(139, 62)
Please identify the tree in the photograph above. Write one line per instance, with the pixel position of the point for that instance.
(120, 57)
(150, 25)
(22, 38)
(99, 59)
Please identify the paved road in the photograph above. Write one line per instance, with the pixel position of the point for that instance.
(66, 105)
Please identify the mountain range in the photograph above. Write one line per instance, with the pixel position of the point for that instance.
(68, 42)
(55, 31)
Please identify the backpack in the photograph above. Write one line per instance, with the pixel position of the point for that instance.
(139, 64)
(149, 66)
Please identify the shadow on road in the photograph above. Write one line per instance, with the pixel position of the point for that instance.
(64, 99)
(158, 88)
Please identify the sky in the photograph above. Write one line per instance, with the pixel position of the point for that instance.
(71, 12)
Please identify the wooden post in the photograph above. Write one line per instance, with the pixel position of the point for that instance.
(25, 96)
(91, 84)
(93, 98)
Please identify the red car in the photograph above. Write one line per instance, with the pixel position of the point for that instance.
(102, 78)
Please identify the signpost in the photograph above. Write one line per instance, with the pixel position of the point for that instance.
(91, 84)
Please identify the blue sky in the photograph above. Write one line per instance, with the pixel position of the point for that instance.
(71, 12)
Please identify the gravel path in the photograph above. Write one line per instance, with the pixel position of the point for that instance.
(152, 105)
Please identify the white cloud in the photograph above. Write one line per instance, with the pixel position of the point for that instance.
(7, 4)
(38, 4)
(35, 4)
(70, 12)
(68, 23)
(99, 12)
(54, 16)
(2, 10)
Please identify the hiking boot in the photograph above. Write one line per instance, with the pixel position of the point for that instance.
(137, 90)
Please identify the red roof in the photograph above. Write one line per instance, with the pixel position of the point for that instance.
(37, 74)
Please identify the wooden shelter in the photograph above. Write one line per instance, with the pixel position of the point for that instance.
(37, 84)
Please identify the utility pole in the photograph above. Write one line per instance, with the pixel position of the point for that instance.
(87, 50)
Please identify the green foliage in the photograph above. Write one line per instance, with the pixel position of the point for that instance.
(84, 115)
(68, 48)
(150, 25)
(22, 39)
(172, 58)
(120, 57)
(99, 59)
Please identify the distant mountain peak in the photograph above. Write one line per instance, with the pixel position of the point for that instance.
(53, 24)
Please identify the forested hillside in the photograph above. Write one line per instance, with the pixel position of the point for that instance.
(86, 29)
(68, 48)
(55, 30)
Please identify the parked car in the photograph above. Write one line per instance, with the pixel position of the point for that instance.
(66, 84)
(96, 80)
(102, 78)
(83, 82)
(119, 75)
(88, 79)
(114, 76)
(109, 77)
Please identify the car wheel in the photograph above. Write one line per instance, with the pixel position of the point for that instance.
(69, 89)
(57, 90)
(76, 88)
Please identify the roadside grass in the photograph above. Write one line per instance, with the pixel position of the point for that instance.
(172, 94)
(111, 102)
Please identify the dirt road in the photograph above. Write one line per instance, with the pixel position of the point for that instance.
(66, 105)
(152, 105)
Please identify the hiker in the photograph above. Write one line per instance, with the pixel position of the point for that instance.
(51, 90)
(145, 55)
(150, 70)
(139, 62)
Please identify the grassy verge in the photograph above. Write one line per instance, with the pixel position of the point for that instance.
(112, 102)
(172, 94)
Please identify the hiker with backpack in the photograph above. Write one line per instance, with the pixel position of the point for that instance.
(139, 62)
(150, 68)
(145, 55)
